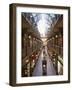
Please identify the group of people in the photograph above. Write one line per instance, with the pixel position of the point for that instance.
(44, 62)
(44, 52)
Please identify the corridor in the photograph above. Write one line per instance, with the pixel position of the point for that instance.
(42, 44)
(38, 69)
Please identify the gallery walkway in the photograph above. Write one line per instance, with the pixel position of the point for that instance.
(38, 69)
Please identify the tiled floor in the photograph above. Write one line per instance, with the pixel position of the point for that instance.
(38, 69)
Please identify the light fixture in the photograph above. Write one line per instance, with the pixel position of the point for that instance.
(33, 60)
(29, 37)
(27, 61)
(36, 55)
(32, 55)
(25, 72)
(44, 65)
(54, 59)
(56, 36)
